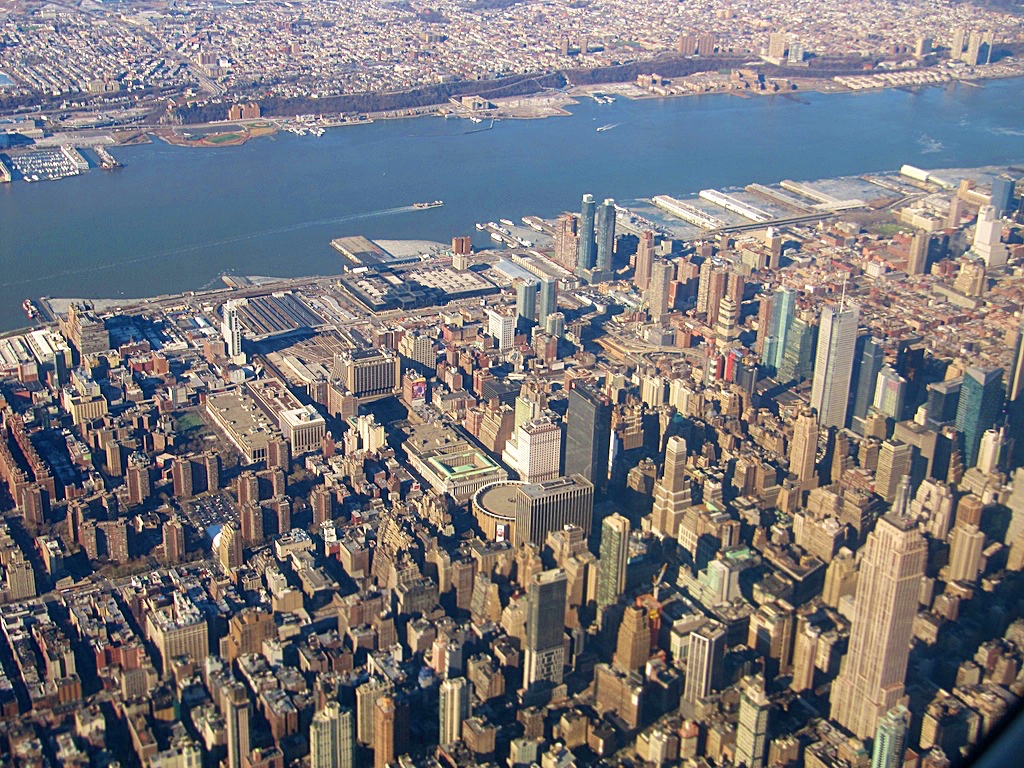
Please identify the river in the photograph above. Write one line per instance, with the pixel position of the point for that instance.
(174, 218)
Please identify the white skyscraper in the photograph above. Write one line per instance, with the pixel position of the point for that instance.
(502, 327)
(987, 234)
(453, 709)
(231, 328)
(332, 737)
(833, 364)
(535, 450)
(871, 678)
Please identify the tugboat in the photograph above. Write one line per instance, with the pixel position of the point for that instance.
(435, 204)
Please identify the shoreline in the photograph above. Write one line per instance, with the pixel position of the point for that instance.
(534, 106)
(232, 281)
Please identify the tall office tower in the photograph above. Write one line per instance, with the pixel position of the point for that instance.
(366, 704)
(605, 237)
(633, 646)
(454, 708)
(917, 259)
(550, 506)
(871, 363)
(992, 450)
(895, 459)
(833, 364)
(981, 400)
(966, 542)
(783, 309)
(988, 232)
(1015, 385)
(332, 738)
(586, 249)
(1015, 396)
(501, 327)
(704, 661)
(871, 677)
(727, 330)
(1002, 196)
(588, 434)
(943, 403)
(804, 447)
(752, 728)
(390, 731)
(236, 721)
(805, 651)
(644, 261)
(891, 738)
(548, 303)
(535, 450)
(231, 328)
(526, 303)
(662, 275)
(798, 355)
(545, 629)
(672, 493)
(614, 554)
(890, 392)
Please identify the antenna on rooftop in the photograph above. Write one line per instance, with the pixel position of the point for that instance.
(842, 302)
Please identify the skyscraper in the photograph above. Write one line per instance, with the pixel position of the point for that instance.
(236, 720)
(891, 738)
(586, 250)
(545, 629)
(453, 709)
(783, 309)
(727, 327)
(798, 354)
(633, 647)
(704, 661)
(987, 244)
(871, 363)
(890, 392)
(332, 737)
(588, 434)
(614, 555)
(917, 259)
(549, 506)
(502, 327)
(390, 728)
(1015, 395)
(981, 400)
(526, 303)
(1002, 196)
(871, 678)
(231, 328)
(548, 303)
(833, 364)
(672, 493)
(605, 237)
(662, 275)
(535, 450)
(804, 447)
(752, 728)
(644, 260)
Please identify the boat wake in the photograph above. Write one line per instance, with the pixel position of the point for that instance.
(216, 244)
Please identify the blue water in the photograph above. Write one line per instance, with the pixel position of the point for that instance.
(175, 218)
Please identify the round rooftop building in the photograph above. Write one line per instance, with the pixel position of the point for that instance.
(494, 508)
